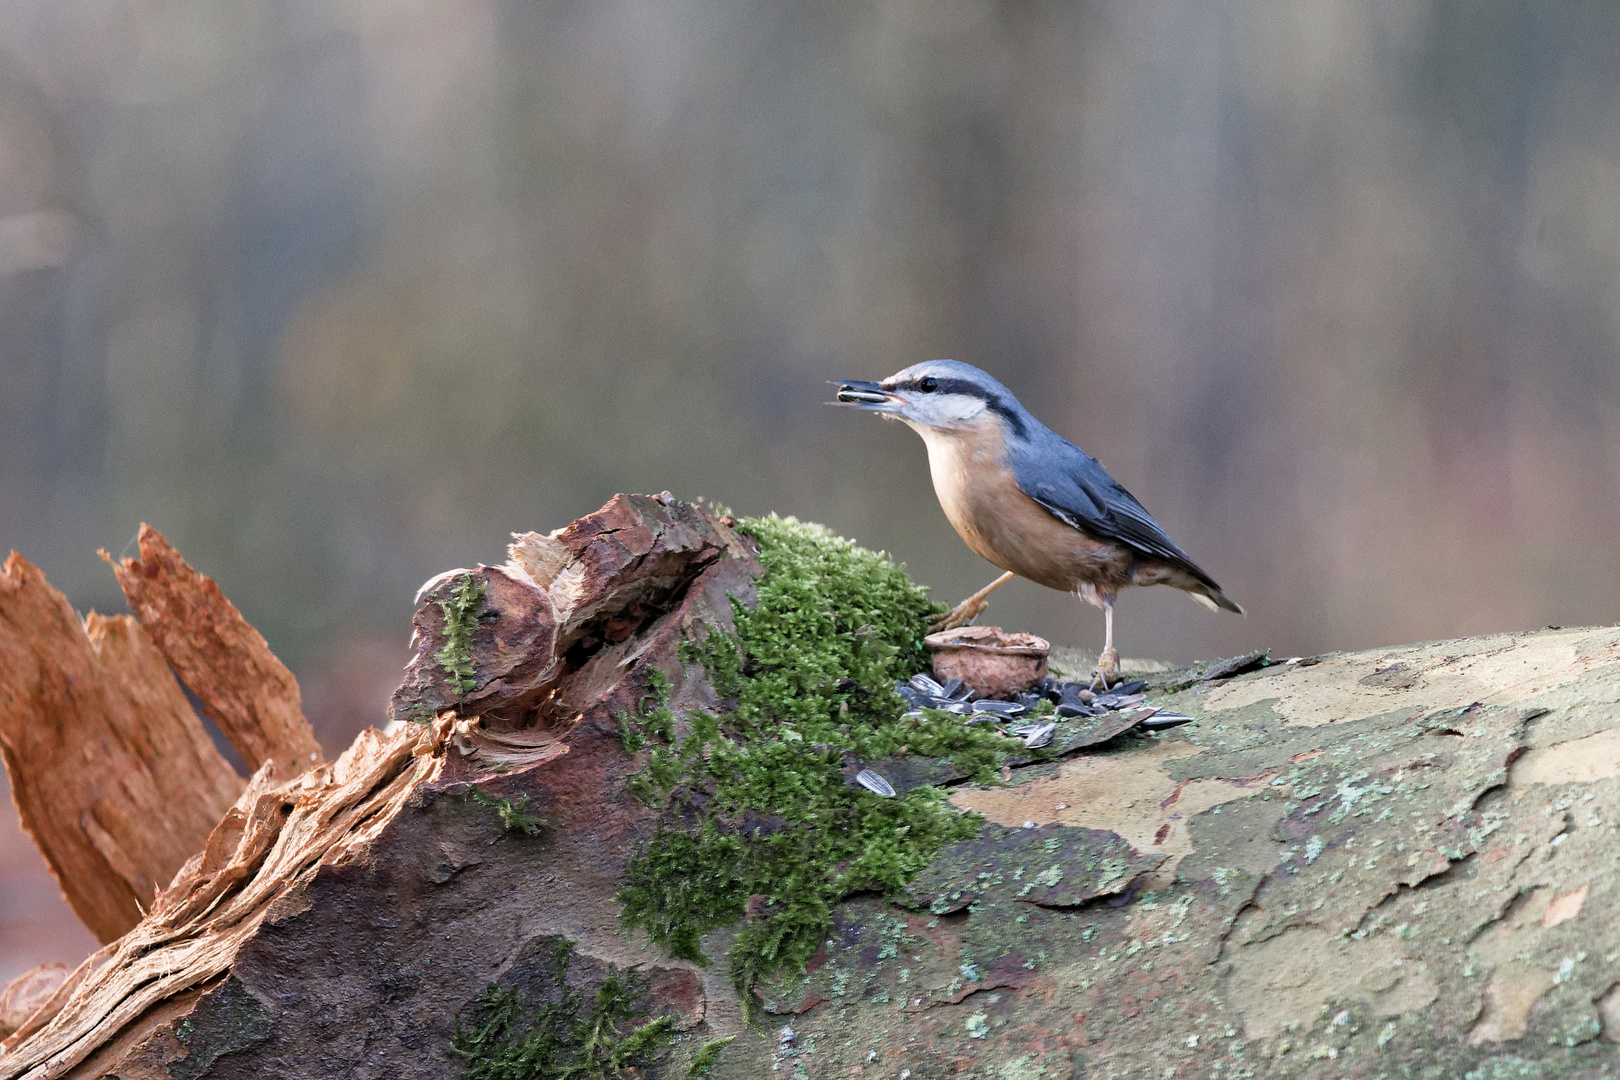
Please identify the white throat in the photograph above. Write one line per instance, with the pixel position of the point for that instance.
(945, 412)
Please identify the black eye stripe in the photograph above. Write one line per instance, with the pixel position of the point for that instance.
(936, 385)
(972, 390)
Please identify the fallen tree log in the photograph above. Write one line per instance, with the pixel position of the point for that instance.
(1397, 862)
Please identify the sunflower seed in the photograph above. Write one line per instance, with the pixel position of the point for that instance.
(1115, 700)
(1070, 703)
(927, 685)
(956, 690)
(1164, 721)
(999, 708)
(1036, 735)
(874, 783)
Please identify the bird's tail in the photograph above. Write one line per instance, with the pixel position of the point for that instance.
(1211, 597)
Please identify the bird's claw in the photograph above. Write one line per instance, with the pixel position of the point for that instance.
(960, 615)
(1106, 671)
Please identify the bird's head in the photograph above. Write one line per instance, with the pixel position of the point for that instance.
(936, 396)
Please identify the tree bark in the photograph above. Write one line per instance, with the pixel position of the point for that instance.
(1394, 862)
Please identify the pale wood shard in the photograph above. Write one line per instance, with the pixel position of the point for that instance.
(112, 773)
(224, 661)
(24, 995)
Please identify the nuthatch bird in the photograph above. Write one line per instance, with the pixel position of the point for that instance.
(1027, 499)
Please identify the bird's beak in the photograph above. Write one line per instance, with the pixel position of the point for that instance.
(869, 396)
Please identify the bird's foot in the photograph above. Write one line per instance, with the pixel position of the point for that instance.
(960, 615)
(1106, 671)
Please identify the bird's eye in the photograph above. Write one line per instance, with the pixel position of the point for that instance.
(928, 384)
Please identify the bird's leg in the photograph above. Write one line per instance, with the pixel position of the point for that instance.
(1108, 661)
(971, 608)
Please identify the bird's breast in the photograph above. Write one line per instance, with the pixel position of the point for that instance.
(980, 495)
(968, 467)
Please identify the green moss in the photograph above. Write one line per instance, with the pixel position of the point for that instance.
(757, 817)
(419, 714)
(502, 1038)
(652, 718)
(707, 1057)
(461, 612)
(513, 813)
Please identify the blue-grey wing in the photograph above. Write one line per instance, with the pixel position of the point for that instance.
(1073, 487)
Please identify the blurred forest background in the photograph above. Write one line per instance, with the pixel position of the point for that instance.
(338, 293)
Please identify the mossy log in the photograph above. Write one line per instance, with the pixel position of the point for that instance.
(1398, 862)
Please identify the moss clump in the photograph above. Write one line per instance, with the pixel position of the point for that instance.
(707, 1057)
(755, 801)
(504, 1039)
(461, 610)
(513, 813)
(419, 714)
(652, 718)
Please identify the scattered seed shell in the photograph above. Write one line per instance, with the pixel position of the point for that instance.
(1164, 721)
(874, 783)
(1038, 735)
